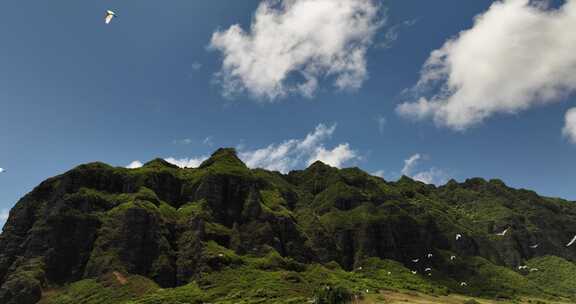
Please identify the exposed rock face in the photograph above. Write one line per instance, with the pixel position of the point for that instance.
(156, 221)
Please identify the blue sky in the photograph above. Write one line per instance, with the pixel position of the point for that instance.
(74, 90)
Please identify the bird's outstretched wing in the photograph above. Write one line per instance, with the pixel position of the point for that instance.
(503, 233)
(571, 242)
(109, 16)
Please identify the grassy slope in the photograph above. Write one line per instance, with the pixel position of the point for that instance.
(273, 279)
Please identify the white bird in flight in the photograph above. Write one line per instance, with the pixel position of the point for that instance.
(429, 255)
(414, 272)
(427, 269)
(109, 16)
(458, 236)
(415, 260)
(522, 267)
(463, 284)
(2, 170)
(452, 258)
(534, 269)
(571, 242)
(503, 233)
(534, 246)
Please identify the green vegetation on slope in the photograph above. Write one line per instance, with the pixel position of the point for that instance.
(224, 233)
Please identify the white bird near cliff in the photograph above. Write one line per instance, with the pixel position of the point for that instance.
(458, 236)
(109, 16)
(571, 242)
(534, 269)
(415, 260)
(429, 255)
(521, 267)
(503, 233)
(463, 284)
(534, 246)
(427, 269)
(452, 258)
(414, 272)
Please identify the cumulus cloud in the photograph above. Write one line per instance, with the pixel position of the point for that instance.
(180, 162)
(379, 173)
(293, 153)
(186, 162)
(517, 55)
(430, 176)
(287, 155)
(135, 165)
(335, 157)
(569, 130)
(293, 44)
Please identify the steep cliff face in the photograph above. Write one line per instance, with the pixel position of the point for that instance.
(159, 222)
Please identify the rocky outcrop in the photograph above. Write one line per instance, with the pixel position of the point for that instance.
(160, 221)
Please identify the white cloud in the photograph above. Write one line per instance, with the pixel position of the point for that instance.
(335, 157)
(381, 120)
(320, 134)
(209, 141)
(280, 157)
(293, 153)
(135, 165)
(393, 32)
(430, 176)
(410, 164)
(184, 141)
(4, 216)
(292, 44)
(196, 66)
(186, 162)
(518, 54)
(287, 155)
(379, 173)
(569, 130)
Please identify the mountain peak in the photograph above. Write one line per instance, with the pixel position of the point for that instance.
(225, 156)
(318, 165)
(159, 163)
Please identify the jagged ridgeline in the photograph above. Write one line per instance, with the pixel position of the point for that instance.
(224, 233)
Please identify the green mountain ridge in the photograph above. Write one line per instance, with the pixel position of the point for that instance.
(224, 233)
